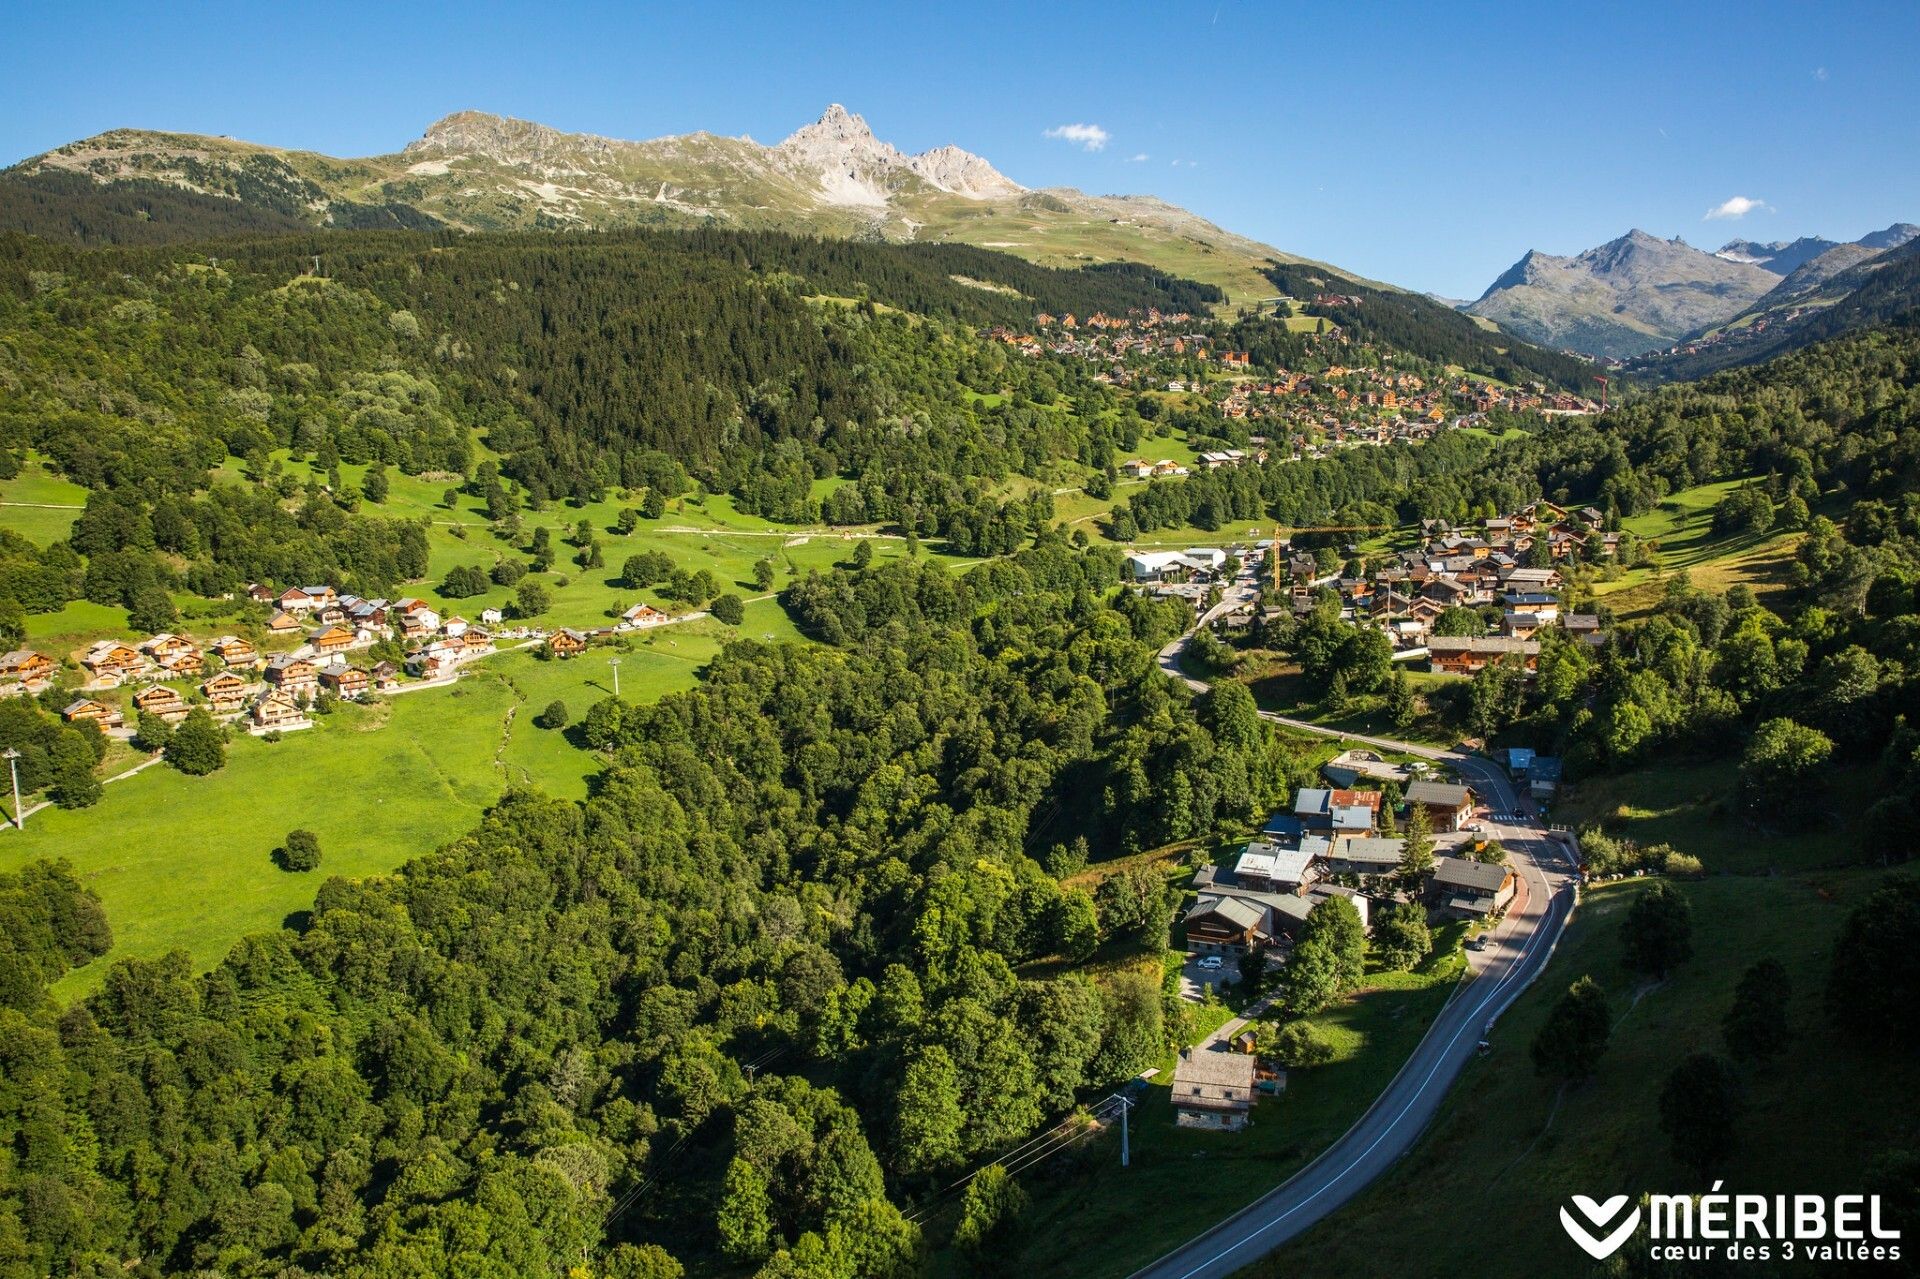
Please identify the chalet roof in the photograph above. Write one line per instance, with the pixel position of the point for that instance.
(1482, 644)
(1214, 1079)
(1373, 850)
(1438, 794)
(1464, 872)
(1235, 910)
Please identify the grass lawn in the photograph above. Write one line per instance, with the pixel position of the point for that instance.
(1509, 1148)
(1693, 805)
(1091, 1218)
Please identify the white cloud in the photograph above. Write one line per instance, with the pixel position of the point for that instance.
(1089, 137)
(1138, 157)
(1737, 207)
(1819, 73)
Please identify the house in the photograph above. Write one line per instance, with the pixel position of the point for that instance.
(1470, 889)
(331, 639)
(1448, 805)
(163, 646)
(283, 624)
(305, 599)
(345, 681)
(1369, 855)
(566, 642)
(226, 693)
(292, 674)
(385, 677)
(110, 662)
(1213, 1088)
(1469, 655)
(1543, 779)
(642, 615)
(1219, 922)
(26, 667)
(234, 651)
(491, 617)
(436, 661)
(85, 710)
(163, 700)
(1272, 868)
(1175, 566)
(278, 710)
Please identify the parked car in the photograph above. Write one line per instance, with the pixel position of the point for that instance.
(1212, 963)
(1477, 942)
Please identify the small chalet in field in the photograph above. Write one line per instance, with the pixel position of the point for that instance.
(385, 677)
(566, 642)
(277, 709)
(85, 710)
(491, 617)
(1470, 889)
(226, 693)
(345, 681)
(1213, 1088)
(641, 615)
(292, 674)
(331, 639)
(305, 599)
(163, 700)
(284, 623)
(1468, 655)
(25, 667)
(1448, 805)
(234, 651)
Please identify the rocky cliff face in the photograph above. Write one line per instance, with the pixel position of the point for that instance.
(1621, 298)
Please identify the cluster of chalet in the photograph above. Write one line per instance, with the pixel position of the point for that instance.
(1491, 567)
(332, 623)
(1109, 339)
(1329, 844)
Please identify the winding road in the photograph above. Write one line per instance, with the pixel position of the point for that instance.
(1521, 946)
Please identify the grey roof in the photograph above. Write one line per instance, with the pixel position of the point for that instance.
(1233, 908)
(1472, 905)
(1464, 872)
(1481, 644)
(1438, 794)
(1312, 801)
(1378, 850)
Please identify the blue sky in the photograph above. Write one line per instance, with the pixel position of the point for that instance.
(1425, 144)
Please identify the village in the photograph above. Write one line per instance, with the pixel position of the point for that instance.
(304, 651)
(1502, 581)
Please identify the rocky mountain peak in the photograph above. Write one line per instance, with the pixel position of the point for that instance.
(963, 173)
(505, 141)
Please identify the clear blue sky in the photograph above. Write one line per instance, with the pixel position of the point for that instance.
(1425, 144)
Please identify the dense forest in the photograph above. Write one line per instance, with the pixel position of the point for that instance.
(141, 371)
(760, 992)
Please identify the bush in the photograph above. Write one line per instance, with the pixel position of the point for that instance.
(1298, 1046)
(1683, 866)
(728, 609)
(301, 852)
(554, 716)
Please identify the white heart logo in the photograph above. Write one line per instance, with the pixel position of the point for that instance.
(1599, 1214)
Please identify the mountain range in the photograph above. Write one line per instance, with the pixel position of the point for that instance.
(481, 172)
(1640, 293)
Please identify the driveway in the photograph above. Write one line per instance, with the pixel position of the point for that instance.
(1194, 979)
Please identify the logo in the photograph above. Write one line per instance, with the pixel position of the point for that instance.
(1596, 1246)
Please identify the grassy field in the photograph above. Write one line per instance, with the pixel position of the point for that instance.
(1680, 533)
(1480, 1193)
(184, 861)
(1691, 805)
(40, 505)
(1279, 687)
(1091, 1218)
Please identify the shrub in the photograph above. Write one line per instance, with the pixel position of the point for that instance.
(554, 716)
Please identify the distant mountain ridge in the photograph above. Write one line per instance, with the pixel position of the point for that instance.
(1640, 293)
(476, 171)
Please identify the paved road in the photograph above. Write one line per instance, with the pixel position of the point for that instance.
(1523, 943)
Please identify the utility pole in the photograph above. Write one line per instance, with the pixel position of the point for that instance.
(1126, 1153)
(12, 757)
(615, 663)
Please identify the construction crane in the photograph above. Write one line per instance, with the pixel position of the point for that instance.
(1603, 391)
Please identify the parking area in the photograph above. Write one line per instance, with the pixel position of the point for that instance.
(1201, 971)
